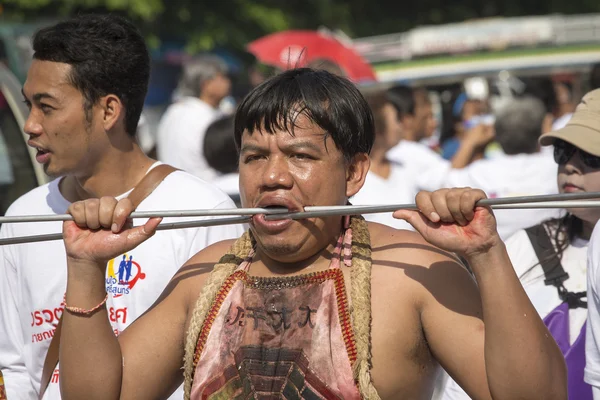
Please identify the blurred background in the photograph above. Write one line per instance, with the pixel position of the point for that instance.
(485, 52)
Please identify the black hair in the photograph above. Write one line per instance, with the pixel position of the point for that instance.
(543, 89)
(107, 54)
(219, 146)
(331, 102)
(448, 130)
(595, 77)
(377, 102)
(402, 98)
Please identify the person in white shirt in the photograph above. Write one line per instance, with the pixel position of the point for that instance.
(84, 110)
(521, 170)
(387, 182)
(221, 154)
(550, 258)
(180, 138)
(584, 127)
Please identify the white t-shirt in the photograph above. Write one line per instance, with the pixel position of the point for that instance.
(416, 156)
(502, 176)
(398, 188)
(229, 183)
(33, 276)
(543, 297)
(180, 137)
(592, 342)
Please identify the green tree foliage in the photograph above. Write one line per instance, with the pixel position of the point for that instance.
(204, 24)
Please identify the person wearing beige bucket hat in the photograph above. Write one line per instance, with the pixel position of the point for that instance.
(550, 257)
(577, 151)
(583, 129)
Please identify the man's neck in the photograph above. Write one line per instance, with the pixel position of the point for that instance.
(264, 265)
(114, 175)
(409, 136)
(210, 100)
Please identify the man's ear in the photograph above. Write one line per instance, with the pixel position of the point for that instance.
(356, 173)
(112, 111)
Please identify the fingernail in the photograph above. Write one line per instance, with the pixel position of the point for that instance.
(434, 216)
(114, 227)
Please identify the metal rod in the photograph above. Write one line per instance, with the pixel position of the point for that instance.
(161, 227)
(330, 211)
(550, 204)
(152, 214)
(523, 202)
(283, 211)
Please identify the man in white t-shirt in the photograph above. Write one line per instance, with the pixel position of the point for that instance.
(180, 138)
(521, 170)
(84, 110)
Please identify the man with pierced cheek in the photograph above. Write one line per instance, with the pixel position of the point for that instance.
(317, 308)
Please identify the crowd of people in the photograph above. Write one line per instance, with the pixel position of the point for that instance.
(448, 302)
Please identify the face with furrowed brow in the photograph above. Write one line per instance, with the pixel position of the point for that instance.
(305, 168)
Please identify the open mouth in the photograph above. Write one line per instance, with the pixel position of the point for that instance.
(42, 156)
(274, 225)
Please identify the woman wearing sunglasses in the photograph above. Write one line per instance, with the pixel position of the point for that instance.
(550, 258)
(577, 147)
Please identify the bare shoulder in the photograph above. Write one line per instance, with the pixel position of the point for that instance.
(404, 264)
(409, 246)
(194, 273)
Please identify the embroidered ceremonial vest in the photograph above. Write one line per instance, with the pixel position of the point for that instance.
(278, 338)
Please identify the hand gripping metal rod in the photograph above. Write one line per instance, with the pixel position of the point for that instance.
(568, 200)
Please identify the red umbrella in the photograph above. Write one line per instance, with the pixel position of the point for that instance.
(291, 49)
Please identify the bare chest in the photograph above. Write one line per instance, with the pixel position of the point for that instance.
(403, 366)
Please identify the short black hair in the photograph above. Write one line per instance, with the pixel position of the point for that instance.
(377, 102)
(219, 146)
(595, 77)
(330, 101)
(543, 89)
(402, 98)
(107, 54)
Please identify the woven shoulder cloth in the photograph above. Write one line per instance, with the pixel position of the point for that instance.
(360, 300)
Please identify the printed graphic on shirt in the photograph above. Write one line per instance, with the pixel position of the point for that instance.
(44, 318)
(122, 275)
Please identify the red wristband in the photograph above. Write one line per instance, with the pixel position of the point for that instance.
(81, 311)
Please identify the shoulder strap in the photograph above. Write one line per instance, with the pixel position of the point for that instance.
(554, 272)
(142, 190)
(148, 183)
(553, 269)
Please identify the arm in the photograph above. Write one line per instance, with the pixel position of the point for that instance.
(493, 343)
(473, 144)
(145, 360)
(457, 172)
(17, 381)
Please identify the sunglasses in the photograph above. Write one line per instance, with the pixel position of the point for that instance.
(563, 151)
